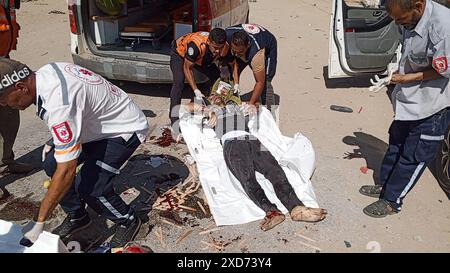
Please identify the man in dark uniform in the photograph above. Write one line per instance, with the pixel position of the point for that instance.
(254, 46)
(199, 51)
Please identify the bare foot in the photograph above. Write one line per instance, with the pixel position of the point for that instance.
(302, 213)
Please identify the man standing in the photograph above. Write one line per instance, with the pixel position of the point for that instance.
(256, 47)
(199, 51)
(420, 99)
(9, 118)
(91, 121)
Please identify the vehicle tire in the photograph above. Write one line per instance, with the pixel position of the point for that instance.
(442, 164)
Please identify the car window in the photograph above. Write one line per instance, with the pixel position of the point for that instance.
(444, 2)
(376, 3)
(364, 3)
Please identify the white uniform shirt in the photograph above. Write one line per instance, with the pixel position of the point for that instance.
(80, 106)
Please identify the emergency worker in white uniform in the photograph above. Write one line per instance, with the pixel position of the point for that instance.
(91, 121)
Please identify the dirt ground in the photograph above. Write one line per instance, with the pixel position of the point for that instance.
(344, 142)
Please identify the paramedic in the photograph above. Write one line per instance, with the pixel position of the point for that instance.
(256, 47)
(420, 100)
(91, 121)
(195, 51)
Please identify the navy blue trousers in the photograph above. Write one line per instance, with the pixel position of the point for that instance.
(412, 146)
(93, 184)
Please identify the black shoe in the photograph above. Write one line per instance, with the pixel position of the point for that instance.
(126, 233)
(69, 226)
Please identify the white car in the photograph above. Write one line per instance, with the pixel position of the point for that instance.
(365, 41)
(131, 39)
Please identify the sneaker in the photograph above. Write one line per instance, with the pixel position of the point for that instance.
(126, 233)
(371, 190)
(272, 219)
(18, 167)
(69, 226)
(305, 214)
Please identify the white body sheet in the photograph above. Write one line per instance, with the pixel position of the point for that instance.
(11, 234)
(227, 200)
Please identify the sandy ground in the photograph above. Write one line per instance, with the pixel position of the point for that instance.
(301, 27)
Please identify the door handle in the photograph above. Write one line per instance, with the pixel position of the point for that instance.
(377, 13)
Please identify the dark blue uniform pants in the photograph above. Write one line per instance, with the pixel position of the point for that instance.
(412, 146)
(93, 184)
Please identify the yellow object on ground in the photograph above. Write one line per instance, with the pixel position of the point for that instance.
(48, 181)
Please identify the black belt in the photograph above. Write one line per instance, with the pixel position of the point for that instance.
(244, 137)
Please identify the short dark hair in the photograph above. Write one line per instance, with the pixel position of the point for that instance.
(240, 38)
(218, 36)
(405, 5)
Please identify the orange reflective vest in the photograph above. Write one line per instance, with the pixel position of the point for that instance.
(200, 39)
(9, 29)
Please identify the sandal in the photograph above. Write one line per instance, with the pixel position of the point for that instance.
(380, 209)
(272, 219)
(371, 190)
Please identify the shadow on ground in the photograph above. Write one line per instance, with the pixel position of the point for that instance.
(34, 158)
(372, 149)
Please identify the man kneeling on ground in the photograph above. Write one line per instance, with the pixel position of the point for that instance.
(93, 122)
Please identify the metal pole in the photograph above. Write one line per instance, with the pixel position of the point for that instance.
(194, 15)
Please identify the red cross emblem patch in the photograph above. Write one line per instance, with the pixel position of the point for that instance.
(251, 28)
(440, 64)
(63, 132)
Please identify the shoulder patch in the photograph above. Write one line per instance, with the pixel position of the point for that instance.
(83, 74)
(63, 132)
(251, 28)
(190, 51)
(440, 64)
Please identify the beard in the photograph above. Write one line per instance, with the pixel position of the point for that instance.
(410, 26)
(414, 21)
